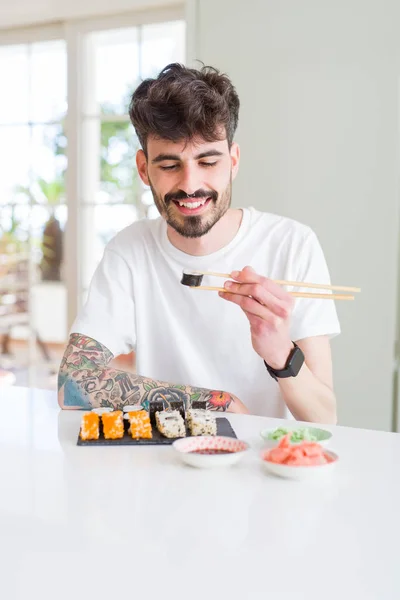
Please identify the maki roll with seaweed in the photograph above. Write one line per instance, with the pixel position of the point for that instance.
(155, 406)
(179, 406)
(199, 404)
(170, 424)
(201, 422)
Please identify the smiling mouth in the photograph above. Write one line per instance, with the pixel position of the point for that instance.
(190, 207)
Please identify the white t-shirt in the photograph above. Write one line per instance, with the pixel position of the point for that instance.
(187, 336)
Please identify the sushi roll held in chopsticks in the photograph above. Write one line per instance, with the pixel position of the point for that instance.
(90, 426)
(191, 278)
(113, 425)
(194, 280)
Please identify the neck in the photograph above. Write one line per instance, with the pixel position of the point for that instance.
(219, 236)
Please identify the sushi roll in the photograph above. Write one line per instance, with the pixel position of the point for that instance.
(199, 404)
(201, 422)
(191, 278)
(132, 407)
(155, 406)
(113, 425)
(179, 406)
(170, 424)
(101, 411)
(139, 424)
(90, 426)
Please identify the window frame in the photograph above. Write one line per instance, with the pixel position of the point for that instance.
(74, 33)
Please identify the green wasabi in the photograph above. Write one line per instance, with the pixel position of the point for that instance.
(298, 435)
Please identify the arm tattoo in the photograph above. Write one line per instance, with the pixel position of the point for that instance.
(88, 382)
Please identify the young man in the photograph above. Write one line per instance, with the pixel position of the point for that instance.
(250, 349)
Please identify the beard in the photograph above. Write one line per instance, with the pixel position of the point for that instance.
(197, 225)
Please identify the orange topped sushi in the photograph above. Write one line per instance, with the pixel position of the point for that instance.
(113, 425)
(90, 426)
(139, 424)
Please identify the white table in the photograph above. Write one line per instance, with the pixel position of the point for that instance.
(97, 523)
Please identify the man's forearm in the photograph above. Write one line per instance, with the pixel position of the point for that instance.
(115, 389)
(85, 381)
(307, 398)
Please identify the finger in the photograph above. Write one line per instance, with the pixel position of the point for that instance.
(249, 305)
(249, 275)
(254, 320)
(257, 324)
(258, 292)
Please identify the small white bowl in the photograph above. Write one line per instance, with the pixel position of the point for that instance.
(300, 473)
(187, 450)
(324, 436)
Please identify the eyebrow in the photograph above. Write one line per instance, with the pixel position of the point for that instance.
(208, 153)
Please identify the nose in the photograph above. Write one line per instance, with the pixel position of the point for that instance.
(190, 182)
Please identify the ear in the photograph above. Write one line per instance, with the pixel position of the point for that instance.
(141, 163)
(235, 158)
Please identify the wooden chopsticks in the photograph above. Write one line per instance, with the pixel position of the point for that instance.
(302, 284)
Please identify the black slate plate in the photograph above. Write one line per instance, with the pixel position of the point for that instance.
(223, 428)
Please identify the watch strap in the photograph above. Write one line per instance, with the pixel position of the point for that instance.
(291, 370)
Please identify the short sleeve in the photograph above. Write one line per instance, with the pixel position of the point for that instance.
(312, 317)
(109, 313)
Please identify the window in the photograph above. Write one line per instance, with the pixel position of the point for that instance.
(68, 176)
(33, 209)
(32, 144)
(113, 196)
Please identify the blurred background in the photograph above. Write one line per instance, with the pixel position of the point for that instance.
(319, 133)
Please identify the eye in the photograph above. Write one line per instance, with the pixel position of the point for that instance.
(169, 168)
(208, 164)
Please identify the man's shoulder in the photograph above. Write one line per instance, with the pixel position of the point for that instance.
(134, 235)
(272, 223)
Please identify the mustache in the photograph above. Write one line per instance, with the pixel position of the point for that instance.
(181, 195)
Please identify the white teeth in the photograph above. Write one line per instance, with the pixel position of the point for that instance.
(192, 204)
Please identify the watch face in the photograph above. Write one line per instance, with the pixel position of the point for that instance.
(296, 361)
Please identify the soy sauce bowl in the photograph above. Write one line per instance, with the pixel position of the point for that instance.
(210, 451)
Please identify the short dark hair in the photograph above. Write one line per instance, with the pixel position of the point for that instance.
(182, 103)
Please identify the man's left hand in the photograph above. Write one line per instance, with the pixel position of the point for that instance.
(268, 308)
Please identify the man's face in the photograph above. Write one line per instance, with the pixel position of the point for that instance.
(191, 182)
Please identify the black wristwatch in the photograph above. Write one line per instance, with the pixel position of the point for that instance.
(292, 367)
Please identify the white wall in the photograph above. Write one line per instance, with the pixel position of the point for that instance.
(318, 82)
(29, 12)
